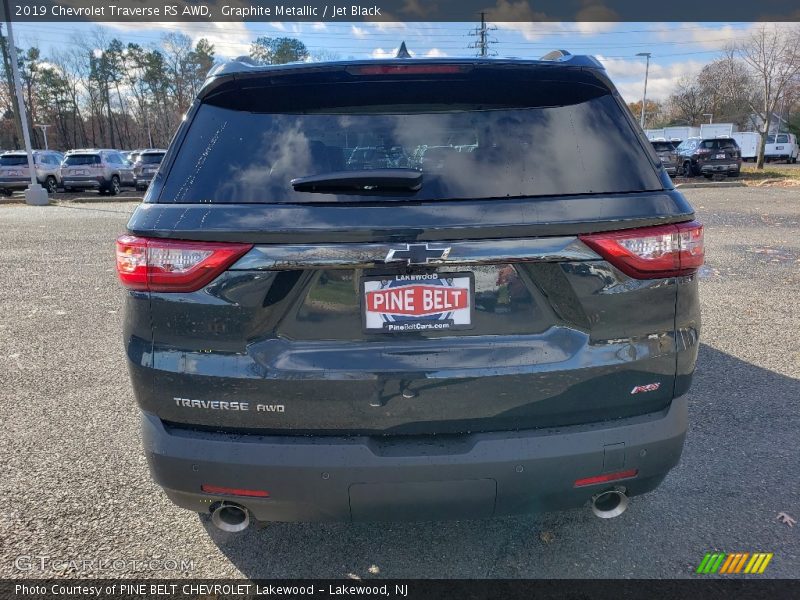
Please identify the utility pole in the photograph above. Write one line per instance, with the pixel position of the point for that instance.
(35, 194)
(646, 73)
(483, 42)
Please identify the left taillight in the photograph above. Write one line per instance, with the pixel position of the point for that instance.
(652, 252)
(159, 265)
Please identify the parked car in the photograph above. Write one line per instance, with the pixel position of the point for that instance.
(313, 341)
(15, 173)
(146, 166)
(709, 156)
(135, 154)
(668, 156)
(781, 146)
(104, 170)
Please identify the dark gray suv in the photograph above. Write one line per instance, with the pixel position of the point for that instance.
(512, 327)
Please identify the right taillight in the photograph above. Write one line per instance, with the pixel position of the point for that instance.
(651, 252)
(159, 265)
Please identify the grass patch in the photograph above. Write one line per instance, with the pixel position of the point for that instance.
(772, 173)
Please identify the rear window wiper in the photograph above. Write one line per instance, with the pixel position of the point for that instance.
(361, 181)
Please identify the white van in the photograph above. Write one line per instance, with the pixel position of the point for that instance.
(781, 146)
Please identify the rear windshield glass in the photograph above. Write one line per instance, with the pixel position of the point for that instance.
(783, 139)
(82, 159)
(151, 159)
(719, 144)
(463, 150)
(13, 161)
(663, 147)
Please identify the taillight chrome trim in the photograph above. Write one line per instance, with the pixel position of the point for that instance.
(462, 252)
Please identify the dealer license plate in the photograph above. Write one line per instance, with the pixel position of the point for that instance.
(421, 302)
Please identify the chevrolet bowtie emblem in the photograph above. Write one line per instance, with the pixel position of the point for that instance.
(417, 254)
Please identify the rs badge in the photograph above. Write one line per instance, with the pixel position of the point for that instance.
(650, 387)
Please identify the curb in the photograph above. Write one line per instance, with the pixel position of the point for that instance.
(101, 200)
(712, 184)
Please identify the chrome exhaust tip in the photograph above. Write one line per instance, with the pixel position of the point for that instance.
(230, 517)
(609, 504)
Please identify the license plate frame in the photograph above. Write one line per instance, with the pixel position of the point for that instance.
(391, 321)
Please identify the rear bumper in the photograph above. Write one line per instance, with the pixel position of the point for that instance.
(15, 183)
(413, 478)
(83, 183)
(719, 168)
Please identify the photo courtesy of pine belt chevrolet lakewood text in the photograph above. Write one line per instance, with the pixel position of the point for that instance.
(410, 289)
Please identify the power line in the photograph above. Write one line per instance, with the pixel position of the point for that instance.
(483, 42)
(448, 43)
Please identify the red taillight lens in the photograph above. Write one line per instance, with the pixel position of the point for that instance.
(171, 265)
(606, 478)
(652, 252)
(702, 151)
(226, 491)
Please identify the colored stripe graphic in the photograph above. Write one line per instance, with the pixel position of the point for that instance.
(734, 563)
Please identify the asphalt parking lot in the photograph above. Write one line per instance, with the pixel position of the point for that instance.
(75, 486)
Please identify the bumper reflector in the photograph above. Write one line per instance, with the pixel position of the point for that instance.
(606, 478)
(226, 491)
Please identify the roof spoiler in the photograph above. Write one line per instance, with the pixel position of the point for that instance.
(244, 65)
(579, 60)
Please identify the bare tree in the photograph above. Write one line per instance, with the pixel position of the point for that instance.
(177, 50)
(689, 102)
(728, 89)
(772, 57)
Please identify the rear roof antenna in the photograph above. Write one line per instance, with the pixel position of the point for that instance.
(403, 52)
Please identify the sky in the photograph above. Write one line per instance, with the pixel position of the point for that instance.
(678, 49)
